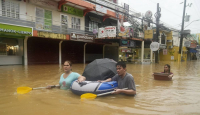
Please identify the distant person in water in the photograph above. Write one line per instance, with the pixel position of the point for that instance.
(167, 70)
(68, 77)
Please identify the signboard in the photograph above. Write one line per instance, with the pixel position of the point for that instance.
(15, 30)
(187, 43)
(126, 50)
(154, 46)
(81, 37)
(51, 35)
(126, 7)
(109, 31)
(131, 43)
(164, 51)
(193, 45)
(148, 34)
(127, 43)
(72, 10)
(45, 3)
(172, 57)
(101, 9)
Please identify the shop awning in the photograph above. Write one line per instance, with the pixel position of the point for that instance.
(193, 51)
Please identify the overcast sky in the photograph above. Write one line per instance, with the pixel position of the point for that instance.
(171, 11)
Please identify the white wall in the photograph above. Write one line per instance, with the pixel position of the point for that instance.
(22, 10)
(56, 16)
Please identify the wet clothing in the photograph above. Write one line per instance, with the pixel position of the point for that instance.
(65, 83)
(126, 82)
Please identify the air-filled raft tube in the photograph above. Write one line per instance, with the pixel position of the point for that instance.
(92, 87)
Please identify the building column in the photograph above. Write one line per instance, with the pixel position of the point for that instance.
(60, 52)
(151, 56)
(84, 53)
(142, 52)
(25, 51)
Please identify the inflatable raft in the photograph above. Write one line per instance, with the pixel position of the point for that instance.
(92, 87)
(162, 76)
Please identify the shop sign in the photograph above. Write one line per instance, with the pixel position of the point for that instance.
(193, 45)
(164, 51)
(109, 31)
(45, 3)
(81, 37)
(148, 34)
(72, 10)
(126, 50)
(172, 57)
(15, 30)
(187, 43)
(101, 9)
(51, 35)
(154, 46)
(127, 43)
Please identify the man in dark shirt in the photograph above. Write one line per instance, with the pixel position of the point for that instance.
(124, 79)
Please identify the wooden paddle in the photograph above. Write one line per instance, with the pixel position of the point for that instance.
(93, 96)
(23, 90)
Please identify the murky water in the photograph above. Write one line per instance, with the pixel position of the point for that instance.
(179, 96)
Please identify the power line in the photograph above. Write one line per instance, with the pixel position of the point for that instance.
(167, 10)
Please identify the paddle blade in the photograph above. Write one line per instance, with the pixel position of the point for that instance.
(23, 90)
(88, 96)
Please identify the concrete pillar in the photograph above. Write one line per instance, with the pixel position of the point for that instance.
(151, 56)
(25, 51)
(84, 53)
(60, 52)
(142, 52)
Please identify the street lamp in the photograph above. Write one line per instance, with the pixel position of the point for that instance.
(192, 22)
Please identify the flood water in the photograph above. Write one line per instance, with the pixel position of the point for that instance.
(181, 96)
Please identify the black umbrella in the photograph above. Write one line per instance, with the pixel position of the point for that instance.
(100, 69)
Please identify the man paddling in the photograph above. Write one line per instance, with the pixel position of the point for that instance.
(124, 79)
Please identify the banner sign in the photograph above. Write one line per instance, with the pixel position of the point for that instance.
(193, 45)
(15, 30)
(109, 31)
(72, 10)
(164, 51)
(101, 9)
(81, 37)
(51, 35)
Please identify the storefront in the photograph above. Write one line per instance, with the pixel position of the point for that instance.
(12, 43)
(127, 50)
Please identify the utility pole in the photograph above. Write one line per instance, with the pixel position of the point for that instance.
(182, 29)
(157, 31)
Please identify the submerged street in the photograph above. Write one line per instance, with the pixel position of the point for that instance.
(179, 96)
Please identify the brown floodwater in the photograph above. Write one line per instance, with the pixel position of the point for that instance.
(181, 96)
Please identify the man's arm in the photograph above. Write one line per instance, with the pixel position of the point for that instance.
(107, 80)
(128, 92)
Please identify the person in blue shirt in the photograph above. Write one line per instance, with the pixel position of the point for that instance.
(68, 77)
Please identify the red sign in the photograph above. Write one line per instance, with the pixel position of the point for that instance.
(164, 51)
(193, 45)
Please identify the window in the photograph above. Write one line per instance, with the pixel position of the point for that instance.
(9, 46)
(76, 23)
(64, 23)
(43, 19)
(92, 26)
(10, 9)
